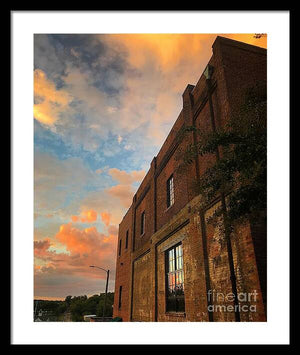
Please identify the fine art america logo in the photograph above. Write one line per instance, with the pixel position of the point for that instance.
(223, 302)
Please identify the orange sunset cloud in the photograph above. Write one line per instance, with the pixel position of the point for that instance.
(85, 217)
(106, 218)
(84, 247)
(169, 49)
(49, 101)
(126, 178)
(123, 192)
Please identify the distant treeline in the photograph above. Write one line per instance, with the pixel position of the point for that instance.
(73, 308)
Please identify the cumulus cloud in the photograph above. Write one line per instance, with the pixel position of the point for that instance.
(41, 247)
(86, 217)
(102, 202)
(46, 56)
(112, 202)
(163, 66)
(146, 97)
(74, 219)
(84, 247)
(58, 182)
(126, 178)
(167, 50)
(82, 242)
(50, 102)
(106, 218)
(162, 69)
(134, 84)
(124, 190)
(113, 230)
(123, 193)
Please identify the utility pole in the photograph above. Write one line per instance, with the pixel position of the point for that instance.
(106, 288)
(103, 315)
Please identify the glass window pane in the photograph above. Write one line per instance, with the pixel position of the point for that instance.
(175, 280)
(179, 250)
(172, 265)
(180, 263)
(171, 280)
(170, 191)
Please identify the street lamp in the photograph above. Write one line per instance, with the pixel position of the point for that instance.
(107, 272)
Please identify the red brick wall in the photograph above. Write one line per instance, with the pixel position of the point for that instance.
(164, 214)
(244, 66)
(236, 67)
(145, 205)
(170, 139)
(142, 285)
(203, 123)
(123, 269)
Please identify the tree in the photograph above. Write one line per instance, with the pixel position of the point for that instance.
(91, 304)
(77, 308)
(259, 35)
(240, 172)
(82, 305)
(61, 309)
(108, 307)
(68, 300)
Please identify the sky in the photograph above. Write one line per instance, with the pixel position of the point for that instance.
(103, 106)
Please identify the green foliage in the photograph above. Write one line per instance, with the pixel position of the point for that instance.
(241, 170)
(61, 309)
(78, 306)
(68, 300)
(108, 307)
(82, 305)
(47, 306)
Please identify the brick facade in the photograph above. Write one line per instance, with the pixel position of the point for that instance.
(141, 267)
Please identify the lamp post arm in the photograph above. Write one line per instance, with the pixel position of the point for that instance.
(100, 268)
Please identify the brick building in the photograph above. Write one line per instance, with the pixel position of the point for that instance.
(165, 242)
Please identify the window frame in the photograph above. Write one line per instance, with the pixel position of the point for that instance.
(120, 297)
(170, 192)
(177, 300)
